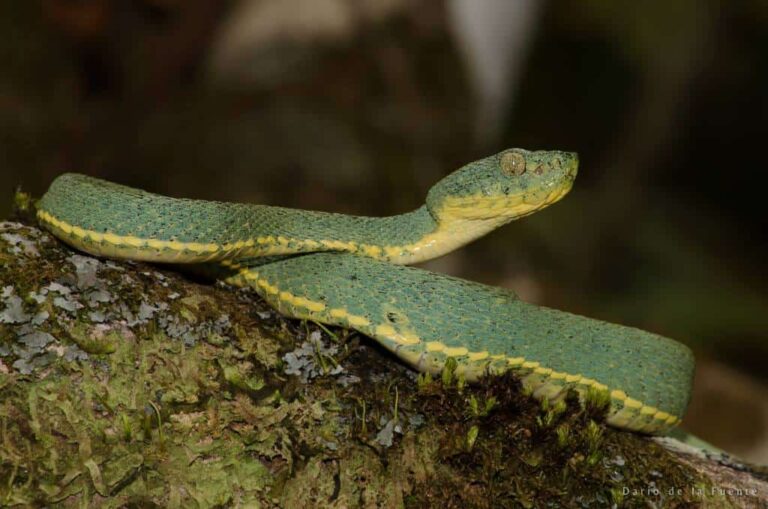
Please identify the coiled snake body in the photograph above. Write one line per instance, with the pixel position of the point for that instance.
(347, 270)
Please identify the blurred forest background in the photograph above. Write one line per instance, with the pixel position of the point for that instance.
(359, 106)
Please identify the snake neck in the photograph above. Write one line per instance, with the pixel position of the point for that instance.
(444, 234)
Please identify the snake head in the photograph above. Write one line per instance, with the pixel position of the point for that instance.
(505, 186)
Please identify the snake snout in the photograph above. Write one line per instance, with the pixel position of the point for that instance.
(570, 163)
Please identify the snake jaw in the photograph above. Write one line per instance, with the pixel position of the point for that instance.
(500, 209)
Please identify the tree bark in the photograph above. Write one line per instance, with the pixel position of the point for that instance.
(124, 384)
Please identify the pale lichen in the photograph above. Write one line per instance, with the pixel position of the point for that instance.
(123, 385)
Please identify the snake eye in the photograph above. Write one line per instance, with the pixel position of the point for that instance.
(513, 163)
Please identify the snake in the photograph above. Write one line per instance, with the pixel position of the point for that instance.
(352, 271)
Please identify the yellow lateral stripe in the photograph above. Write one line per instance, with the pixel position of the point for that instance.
(113, 239)
(315, 306)
(478, 356)
(406, 339)
(455, 351)
(372, 251)
(339, 313)
(340, 245)
(78, 232)
(620, 395)
(294, 300)
(393, 251)
(386, 330)
(435, 346)
(280, 242)
(359, 321)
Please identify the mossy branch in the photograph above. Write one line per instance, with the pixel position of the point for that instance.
(126, 384)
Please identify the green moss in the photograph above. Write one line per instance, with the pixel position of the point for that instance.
(525, 453)
(23, 204)
(164, 403)
(137, 416)
(93, 342)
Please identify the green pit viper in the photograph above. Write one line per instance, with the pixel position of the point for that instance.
(349, 271)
